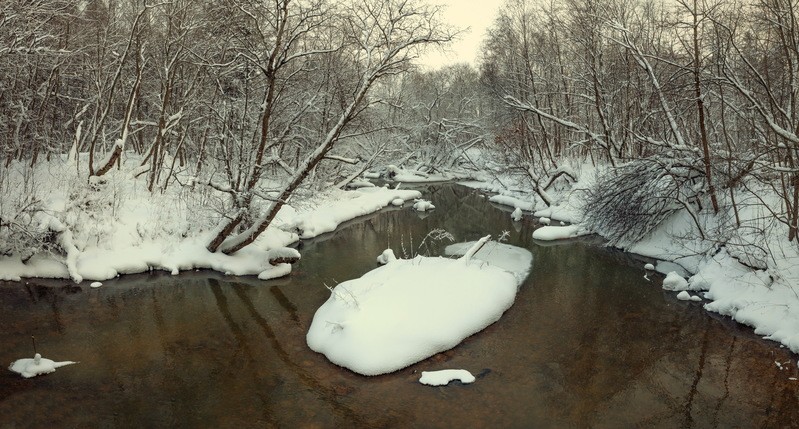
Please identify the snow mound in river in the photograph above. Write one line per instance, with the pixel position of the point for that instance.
(409, 310)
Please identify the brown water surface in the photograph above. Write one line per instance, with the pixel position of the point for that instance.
(588, 343)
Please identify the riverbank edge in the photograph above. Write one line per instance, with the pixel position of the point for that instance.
(763, 299)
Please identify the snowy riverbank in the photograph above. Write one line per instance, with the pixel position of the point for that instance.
(97, 231)
(749, 273)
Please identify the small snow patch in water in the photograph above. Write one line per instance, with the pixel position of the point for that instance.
(685, 296)
(517, 214)
(423, 205)
(37, 366)
(444, 376)
(96, 284)
(386, 257)
(675, 282)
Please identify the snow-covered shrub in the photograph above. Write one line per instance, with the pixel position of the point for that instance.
(21, 230)
(627, 202)
(20, 233)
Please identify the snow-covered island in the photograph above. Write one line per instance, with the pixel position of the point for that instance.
(411, 309)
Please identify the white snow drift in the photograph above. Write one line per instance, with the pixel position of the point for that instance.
(409, 310)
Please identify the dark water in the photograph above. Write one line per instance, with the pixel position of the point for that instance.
(588, 343)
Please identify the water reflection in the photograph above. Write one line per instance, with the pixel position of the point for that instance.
(589, 342)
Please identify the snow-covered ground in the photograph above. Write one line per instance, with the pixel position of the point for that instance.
(410, 309)
(117, 227)
(750, 274)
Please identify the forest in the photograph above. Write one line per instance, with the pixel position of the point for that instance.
(683, 106)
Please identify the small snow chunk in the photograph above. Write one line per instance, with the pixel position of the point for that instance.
(96, 284)
(444, 376)
(649, 267)
(675, 282)
(517, 214)
(551, 233)
(792, 378)
(386, 257)
(279, 270)
(544, 220)
(37, 366)
(507, 200)
(281, 255)
(357, 184)
(696, 298)
(397, 202)
(423, 205)
(684, 296)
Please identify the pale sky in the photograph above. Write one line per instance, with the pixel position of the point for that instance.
(477, 14)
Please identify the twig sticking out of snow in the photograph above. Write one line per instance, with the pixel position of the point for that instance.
(475, 248)
(351, 300)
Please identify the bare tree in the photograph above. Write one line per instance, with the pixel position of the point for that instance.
(381, 39)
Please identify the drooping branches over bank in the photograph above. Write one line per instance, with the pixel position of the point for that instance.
(656, 84)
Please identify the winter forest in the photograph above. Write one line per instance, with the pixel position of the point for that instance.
(178, 135)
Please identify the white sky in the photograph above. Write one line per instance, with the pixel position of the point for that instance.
(477, 14)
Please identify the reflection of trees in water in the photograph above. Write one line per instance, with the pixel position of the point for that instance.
(636, 348)
(290, 362)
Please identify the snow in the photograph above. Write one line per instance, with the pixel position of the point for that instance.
(649, 267)
(549, 233)
(117, 227)
(96, 284)
(517, 214)
(508, 200)
(544, 220)
(513, 259)
(675, 282)
(358, 203)
(423, 205)
(386, 257)
(283, 253)
(685, 296)
(279, 270)
(397, 202)
(356, 184)
(409, 175)
(28, 367)
(444, 376)
(409, 310)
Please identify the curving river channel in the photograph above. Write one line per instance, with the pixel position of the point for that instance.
(588, 343)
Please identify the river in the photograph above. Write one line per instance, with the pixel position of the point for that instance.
(588, 342)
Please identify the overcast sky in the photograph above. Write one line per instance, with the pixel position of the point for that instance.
(477, 14)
